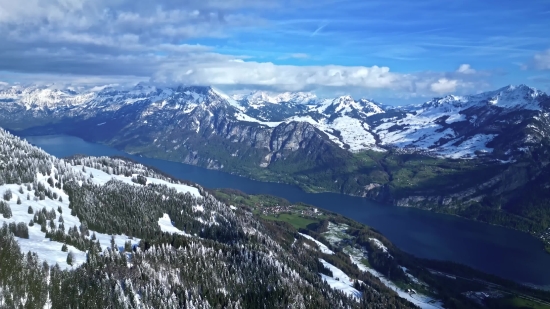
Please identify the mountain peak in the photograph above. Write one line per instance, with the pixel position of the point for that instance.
(204, 90)
(262, 97)
(512, 96)
(508, 97)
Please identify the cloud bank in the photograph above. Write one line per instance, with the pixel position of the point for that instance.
(144, 40)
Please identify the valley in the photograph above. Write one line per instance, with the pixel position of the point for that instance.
(472, 156)
(363, 246)
(272, 154)
(131, 221)
(482, 157)
(421, 233)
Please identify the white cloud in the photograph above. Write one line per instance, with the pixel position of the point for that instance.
(542, 60)
(444, 85)
(225, 72)
(465, 69)
(89, 41)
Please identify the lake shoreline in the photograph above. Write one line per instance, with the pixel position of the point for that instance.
(425, 234)
(305, 190)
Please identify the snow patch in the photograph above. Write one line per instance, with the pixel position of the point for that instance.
(166, 225)
(421, 301)
(379, 244)
(339, 280)
(322, 246)
(46, 249)
(101, 178)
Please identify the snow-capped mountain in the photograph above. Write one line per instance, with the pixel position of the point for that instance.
(260, 98)
(452, 126)
(342, 144)
(43, 97)
(466, 126)
(346, 105)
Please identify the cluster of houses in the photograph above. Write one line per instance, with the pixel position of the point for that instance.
(480, 296)
(306, 212)
(546, 236)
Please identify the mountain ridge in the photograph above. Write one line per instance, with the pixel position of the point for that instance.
(354, 125)
(455, 155)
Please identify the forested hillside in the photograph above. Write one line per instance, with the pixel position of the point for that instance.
(114, 234)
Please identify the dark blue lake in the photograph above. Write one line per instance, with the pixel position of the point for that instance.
(504, 252)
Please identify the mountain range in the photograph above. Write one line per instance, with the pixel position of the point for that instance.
(468, 155)
(452, 126)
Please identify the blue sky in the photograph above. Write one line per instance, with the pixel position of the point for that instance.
(394, 51)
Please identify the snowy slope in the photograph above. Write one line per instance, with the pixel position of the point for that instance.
(101, 178)
(43, 97)
(258, 99)
(50, 251)
(165, 225)
(322, 247)
(421, 301)
(339, 280)
(460, 126)
(47, 250)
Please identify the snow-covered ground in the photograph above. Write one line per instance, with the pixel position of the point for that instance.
(413, 278)
(336, 233)
(50, 251)
(420, 300)
(258, 99)
(343, 118)
(379, 244)
(101, 178)
(322, 246)
(47, 250)
(165, 225)
(467, 148)
(339, 280)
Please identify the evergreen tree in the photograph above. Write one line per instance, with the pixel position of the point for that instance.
(128, 246)
(70, 258)
(8, 195)
(113, 243)
(5, 210)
